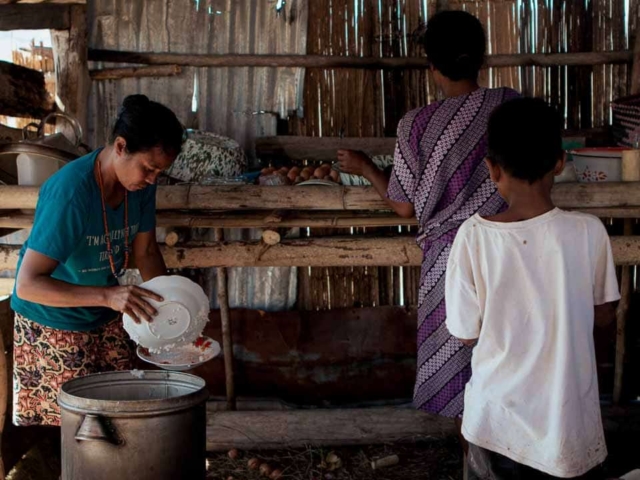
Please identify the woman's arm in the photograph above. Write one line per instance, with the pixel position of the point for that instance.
(147, 255)
(34, 284)
(357, 163)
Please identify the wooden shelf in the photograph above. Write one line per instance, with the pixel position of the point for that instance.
(253, 197)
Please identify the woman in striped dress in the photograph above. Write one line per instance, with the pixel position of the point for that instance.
(440, 177)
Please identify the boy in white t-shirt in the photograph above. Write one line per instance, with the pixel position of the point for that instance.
(523, 284)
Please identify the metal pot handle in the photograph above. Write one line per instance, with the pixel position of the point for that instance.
(25, 129)
(95, 427)
(77, 129)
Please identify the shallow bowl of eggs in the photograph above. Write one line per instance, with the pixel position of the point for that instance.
(323, 174)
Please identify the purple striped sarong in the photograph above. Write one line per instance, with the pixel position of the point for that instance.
(439, 168)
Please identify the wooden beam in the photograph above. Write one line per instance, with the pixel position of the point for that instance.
(43, 2)
(320, 148)
(322, 427)
(70, 50)
(312, 219)
(225, 321)
(135, 72)
(22, 92)
(292, 147)
(33, 17)
(328, 61)
(252, 219)
(253, 197)
(313, 252)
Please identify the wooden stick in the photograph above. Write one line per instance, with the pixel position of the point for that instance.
(22, 92)
(323, 149)
(227, 340)
(328, 61)
(313, 252)
(621, 326)
(315, 219)
(635, 70)
(270, 237)
(172, 238)
(254, 197)
(72, 71)
(4, 396)
(274, 429)
(33, 17)
(135, 72)
(339, 219)
(626, 289)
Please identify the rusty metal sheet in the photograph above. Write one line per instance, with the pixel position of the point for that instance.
(241, 103)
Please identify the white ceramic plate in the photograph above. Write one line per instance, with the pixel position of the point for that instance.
(181, 316)
(184, 357)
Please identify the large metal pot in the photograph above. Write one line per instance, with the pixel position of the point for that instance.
(134, 425)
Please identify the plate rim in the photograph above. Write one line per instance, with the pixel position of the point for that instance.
(190, 365)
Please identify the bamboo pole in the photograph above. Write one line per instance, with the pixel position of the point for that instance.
(334, 61)
(135, 72)
(626, 289)
(621, 322)
(227, 341)
(317, 219)
(253, 197)
(313, 252)
(4, 396)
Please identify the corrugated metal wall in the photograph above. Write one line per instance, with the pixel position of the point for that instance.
(241, 103)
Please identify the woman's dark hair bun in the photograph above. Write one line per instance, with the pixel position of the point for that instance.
(145, 124)
(134, 101)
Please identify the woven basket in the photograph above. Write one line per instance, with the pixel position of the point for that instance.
(626, 120)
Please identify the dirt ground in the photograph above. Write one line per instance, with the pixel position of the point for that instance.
(432, 460)
(437, 460)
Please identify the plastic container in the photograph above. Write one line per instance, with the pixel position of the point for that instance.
(598, 164)
(34, 170)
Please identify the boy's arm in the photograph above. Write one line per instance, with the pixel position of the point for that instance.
(461, 298)
(606, 292)
(605, 314)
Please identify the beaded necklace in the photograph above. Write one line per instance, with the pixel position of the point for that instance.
(112, 263)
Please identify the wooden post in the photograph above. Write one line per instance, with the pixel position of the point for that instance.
(227, 341)
(70, 52)
(621, 322)
(4, 396)
(626, 287)
(22, 91)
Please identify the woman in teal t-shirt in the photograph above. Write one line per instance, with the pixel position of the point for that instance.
(93, 217)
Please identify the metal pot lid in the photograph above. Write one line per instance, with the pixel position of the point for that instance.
(36, 149)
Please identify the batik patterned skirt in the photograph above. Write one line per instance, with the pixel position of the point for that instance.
(444, 363)
(45, 358)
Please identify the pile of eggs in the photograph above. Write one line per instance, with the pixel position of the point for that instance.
(296, 175)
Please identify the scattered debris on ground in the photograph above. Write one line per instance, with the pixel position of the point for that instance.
(433, 460)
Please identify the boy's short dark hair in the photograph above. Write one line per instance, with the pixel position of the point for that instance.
(525, 138)
(455, 44)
